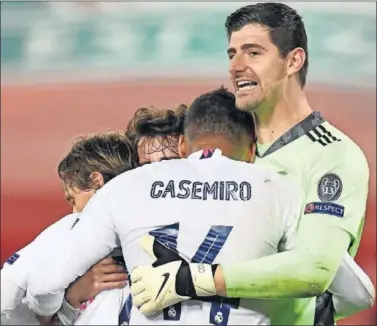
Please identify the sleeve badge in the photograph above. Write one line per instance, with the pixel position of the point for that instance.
(330, 187)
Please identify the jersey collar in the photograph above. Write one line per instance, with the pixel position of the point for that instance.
(205, 153)
(310, 122)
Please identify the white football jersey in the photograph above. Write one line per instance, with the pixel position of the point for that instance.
(107, 308)
(18, 265)
(104, 309)
(14, 274)
(209, 208)
(20, 315)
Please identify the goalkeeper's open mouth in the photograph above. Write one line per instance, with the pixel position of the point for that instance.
(243, 85)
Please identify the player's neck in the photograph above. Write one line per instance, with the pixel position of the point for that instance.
(227, 147)
(292, 108)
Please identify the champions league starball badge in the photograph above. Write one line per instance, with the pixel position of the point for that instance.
(330, 187)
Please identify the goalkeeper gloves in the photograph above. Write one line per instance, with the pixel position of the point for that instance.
(169, 280)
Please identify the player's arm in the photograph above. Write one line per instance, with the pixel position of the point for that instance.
(21, 315)
(11, 294)
(14, 309)
(92, 238)
(14, 275)
(336, 195)
(326, 231)
(352, 289)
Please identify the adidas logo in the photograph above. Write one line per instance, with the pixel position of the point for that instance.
(322, 136)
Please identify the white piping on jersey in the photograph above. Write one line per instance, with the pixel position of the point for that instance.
(210, 247)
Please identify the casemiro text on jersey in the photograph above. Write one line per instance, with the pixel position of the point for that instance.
(202, 190)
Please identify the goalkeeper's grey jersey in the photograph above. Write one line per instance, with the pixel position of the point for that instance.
(207, 207)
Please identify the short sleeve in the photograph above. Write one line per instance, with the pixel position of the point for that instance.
(337, 188)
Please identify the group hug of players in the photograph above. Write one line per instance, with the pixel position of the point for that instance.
(241, 208)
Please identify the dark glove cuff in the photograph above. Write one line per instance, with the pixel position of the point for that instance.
(184, 285)
(214, 267)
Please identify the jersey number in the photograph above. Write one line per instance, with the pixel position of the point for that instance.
(206, 253)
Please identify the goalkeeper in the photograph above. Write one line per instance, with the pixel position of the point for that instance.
(268, 57)
(268, 63)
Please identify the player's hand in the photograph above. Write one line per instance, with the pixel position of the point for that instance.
(169, 280)
(105, 275)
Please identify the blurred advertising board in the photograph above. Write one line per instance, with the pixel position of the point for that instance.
(171, 39)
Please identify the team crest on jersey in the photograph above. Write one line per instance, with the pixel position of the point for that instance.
(330, 187)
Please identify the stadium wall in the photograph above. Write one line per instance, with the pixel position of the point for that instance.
(39, 122)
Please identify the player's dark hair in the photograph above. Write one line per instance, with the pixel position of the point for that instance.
(215, 114)
(148, 123)
(285, 26)
(109, 154)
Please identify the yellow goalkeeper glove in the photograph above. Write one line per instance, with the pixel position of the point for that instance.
(169, 280)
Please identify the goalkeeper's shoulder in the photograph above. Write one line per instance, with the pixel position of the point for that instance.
(339, 150)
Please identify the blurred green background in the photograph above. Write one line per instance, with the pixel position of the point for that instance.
(173, 38)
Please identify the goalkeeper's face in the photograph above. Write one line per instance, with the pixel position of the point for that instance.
(257, 70)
